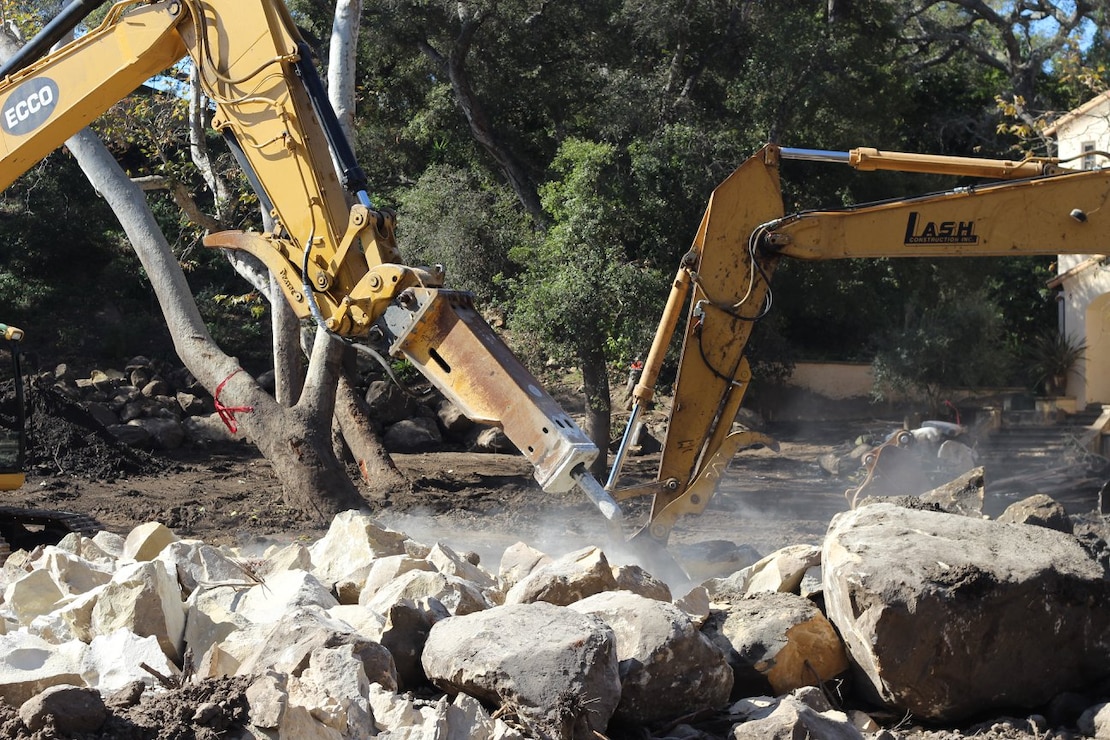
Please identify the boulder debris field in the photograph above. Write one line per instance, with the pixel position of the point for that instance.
(910, 621)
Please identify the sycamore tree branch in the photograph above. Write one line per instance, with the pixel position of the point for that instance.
(182, 197)
(201, 157)
(453, 64)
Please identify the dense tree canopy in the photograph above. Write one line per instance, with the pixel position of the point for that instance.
(556, 157)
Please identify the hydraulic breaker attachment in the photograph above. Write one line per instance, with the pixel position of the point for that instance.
(441, 333)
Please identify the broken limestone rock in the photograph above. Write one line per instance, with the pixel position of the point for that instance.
(396, 715)
(637, 580)
(776, 640)
(385, 569)
(34, 594)
(29, 665)
(667, 667)
(458, 595)
(567, 579)
(145, 541)
(110, 543)
(517, 561)
(1040, 511)
(554, 668)
(331, 683)
(280, 593)
(782, 570)
(211, 618)
(404, 634)
(113, 661)
(287, 646)
(268, 697)
(197, 564)
(800, 715)
(87, 549)
(352, 541)
(695, 604)
(449, 562)
(962, 495)
(76, 615)
(143, 598)
(293, 556)
(944, 614)
(73, 574)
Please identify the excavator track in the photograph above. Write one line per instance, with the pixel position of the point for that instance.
(25, 529)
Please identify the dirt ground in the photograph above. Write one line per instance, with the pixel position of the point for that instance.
(228, 494)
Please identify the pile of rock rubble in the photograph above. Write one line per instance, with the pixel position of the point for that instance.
(155, 406)
(908, 609)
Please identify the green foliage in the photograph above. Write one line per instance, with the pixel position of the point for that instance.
(1051, 355)
(579, 291)
(452, 219)
(622, 117)
(954, 342)
(66, 276)
(239, 323)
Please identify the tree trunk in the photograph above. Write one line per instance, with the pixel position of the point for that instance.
(295, 441)
(453, 65)
(595, 380)
(375, 466)
(289, 373)
(341, 61)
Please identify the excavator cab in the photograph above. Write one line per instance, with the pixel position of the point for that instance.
(13, 410)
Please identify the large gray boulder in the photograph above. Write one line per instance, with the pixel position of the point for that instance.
(1038, 510)
(554, 668)
(946, 616)
(668, 668)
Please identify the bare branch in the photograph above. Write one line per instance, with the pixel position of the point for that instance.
(182, 197)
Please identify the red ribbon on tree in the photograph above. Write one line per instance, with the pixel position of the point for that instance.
(227, 413)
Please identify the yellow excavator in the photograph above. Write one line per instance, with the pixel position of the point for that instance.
(331, 249)
(723, 287)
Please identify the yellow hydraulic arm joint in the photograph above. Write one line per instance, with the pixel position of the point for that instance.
(11, 333)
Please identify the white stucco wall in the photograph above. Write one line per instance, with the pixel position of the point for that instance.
(1087, 125)
(835, 380)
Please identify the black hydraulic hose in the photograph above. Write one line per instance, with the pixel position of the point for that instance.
(354, 179)
(264, 201)
(57, 29)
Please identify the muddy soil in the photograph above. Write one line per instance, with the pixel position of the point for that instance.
(228, 494)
